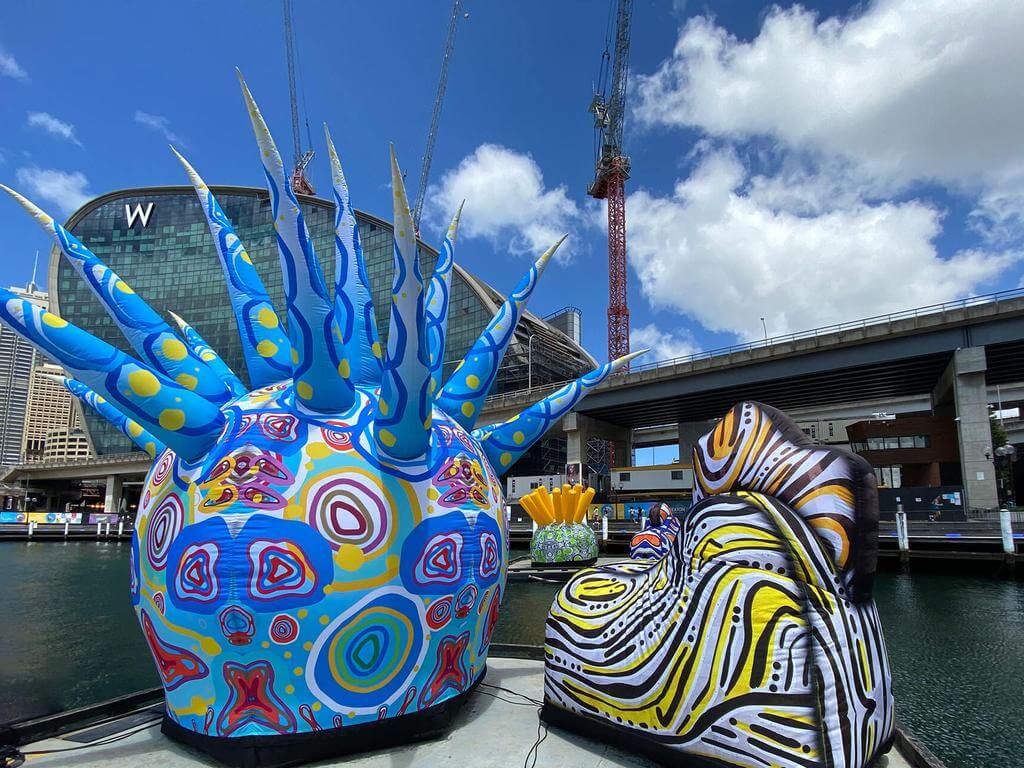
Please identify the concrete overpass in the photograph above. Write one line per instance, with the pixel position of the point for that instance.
(950, 354)
(51, 479)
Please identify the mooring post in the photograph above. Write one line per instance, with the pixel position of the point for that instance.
(1006, 528)
(604, 527)
(508, 515)
(30, 524)
(902, 534)
(65, 529)
(120, 528)
(99, 527)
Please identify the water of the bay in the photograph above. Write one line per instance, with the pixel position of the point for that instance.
(68, 637)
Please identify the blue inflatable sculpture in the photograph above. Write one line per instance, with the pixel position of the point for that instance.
(320, 556)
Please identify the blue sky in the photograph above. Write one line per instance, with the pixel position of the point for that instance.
(805, 164)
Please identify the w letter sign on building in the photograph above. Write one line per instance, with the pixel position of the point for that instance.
(137, 213)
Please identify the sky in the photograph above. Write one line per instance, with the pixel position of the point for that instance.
(806, 164)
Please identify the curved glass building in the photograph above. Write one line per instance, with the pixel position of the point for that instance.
(157, 240)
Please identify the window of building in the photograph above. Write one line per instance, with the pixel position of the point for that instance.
(677, 474)
(831, 429)
(624, 477)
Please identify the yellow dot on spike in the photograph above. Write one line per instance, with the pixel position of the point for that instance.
(123, 287)
(172, 418)
(468, 409)
(151, 449)
(143, 383)
(53, 321)
(298, 670)
(267, 318)
(344, 369)
(295, 356)
(187, 380)
(518, 438)
(304, 389)
(174, 349)
(387, 438)
(289, 689)
(207, 356)
(266, 348)
(245, 257)
(506, 459)
(303, 613)
(376, 349)
(134, 429)
(383, 407)
(472, 381)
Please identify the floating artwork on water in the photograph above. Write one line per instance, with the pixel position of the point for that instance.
(563, 536)
(654, 542)
(320, 554)
(755, 640)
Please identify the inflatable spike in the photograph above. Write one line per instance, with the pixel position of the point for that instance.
(464, 393)
(507, 442)
(556, 500)
(319, 365)
(128, 427)
(208, 355)
(402, 426)
(265, 346)
(438, 300)
(353, 300)
(178, 417)
(147, 332)
(585, 499)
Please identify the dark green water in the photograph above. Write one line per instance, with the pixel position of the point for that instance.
(68, 637)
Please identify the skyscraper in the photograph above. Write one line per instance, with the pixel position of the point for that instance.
(53, 420)
(16, 361)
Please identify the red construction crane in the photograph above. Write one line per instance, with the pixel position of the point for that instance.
(611, 172)
(300, 182)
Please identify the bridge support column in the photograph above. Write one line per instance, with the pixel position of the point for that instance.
(579, 428)
(112, 498)
(963, 382)
(689, 433)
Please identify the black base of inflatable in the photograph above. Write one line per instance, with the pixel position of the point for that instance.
(566, 564)
(299, 748)
(637, 742)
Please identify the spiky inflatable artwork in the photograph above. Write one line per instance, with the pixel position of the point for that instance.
(320, 557)
(562, 536)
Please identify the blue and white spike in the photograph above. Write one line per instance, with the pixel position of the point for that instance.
(463, 395)
(128, 427)
(402, 424)
(506, 442)
(439, 300)
(353, 300)
(145, 330)
(265, 346)
(183, 420)
(318, 358)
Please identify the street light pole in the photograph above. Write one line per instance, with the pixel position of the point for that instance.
(764, 325)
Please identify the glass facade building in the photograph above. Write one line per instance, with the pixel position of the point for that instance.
(168, 257)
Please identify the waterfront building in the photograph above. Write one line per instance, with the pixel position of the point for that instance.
(17, 358)
(52, 410)
(158, 241)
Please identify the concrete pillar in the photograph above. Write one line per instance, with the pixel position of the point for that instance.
(964, 383)
(689, 433)
(112, 498)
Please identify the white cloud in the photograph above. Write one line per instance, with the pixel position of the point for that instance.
(9, 67)
(720, 250)
(908, 89)
(52, 125)
(158, 123)
(69, 191)
(507, 202)
(663, 345)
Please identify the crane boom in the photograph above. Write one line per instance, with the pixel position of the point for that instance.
(435, 118)
(300, 183)
(611, 170)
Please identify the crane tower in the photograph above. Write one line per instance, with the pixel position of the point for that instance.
(610, 174)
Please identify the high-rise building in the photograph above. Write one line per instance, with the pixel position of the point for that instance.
(16, 360)
(158, 241)
(53, 418)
